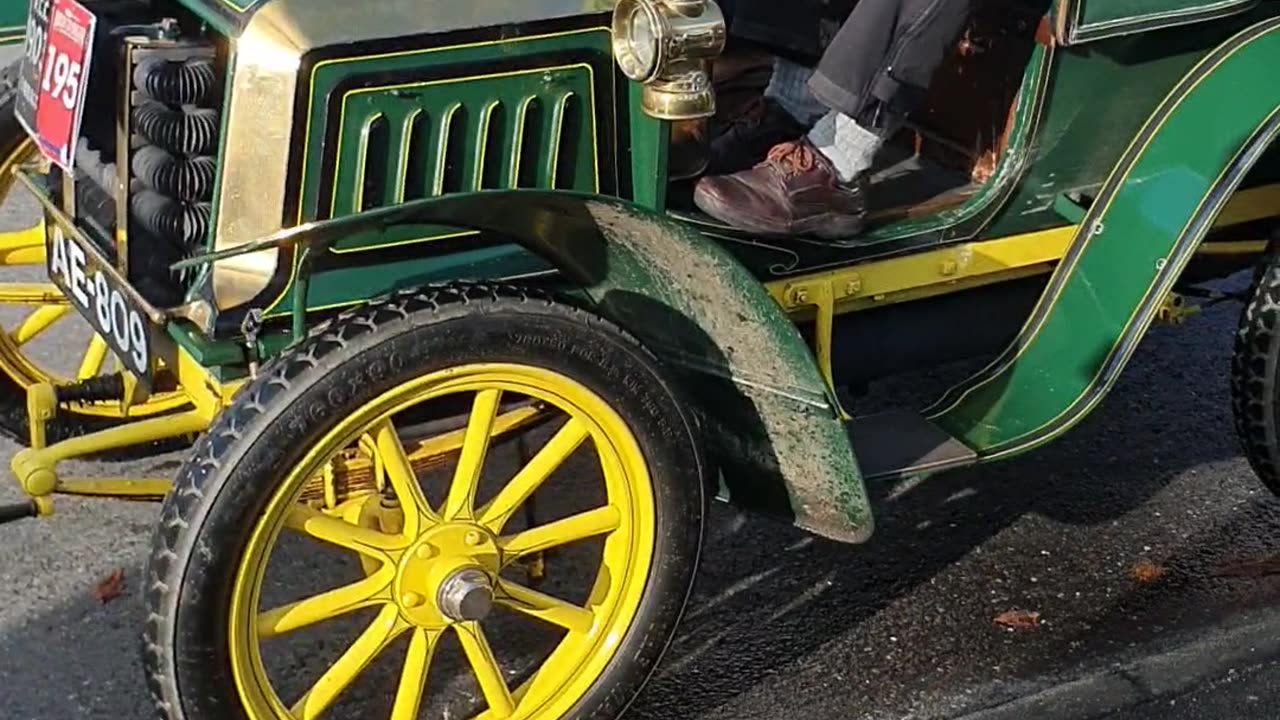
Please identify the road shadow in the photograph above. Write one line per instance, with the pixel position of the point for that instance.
(756, 615)
(772, 602)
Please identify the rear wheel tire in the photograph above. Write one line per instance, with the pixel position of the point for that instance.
(1255, 373)
(351, 384)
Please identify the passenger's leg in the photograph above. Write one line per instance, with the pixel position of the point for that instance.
(873, 80)
(876, 70)
(786, 111)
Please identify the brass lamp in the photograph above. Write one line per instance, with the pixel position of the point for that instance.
(668, 46)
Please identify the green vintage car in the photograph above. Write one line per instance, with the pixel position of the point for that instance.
(462, 367)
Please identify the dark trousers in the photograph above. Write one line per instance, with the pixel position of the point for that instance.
(882, 58)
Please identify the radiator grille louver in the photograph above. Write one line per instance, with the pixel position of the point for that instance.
(461, 149)
(403, 144)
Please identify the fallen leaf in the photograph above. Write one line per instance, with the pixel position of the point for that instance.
(1018, 619)
(1147, 572)
(110, 587)
(1259, 567)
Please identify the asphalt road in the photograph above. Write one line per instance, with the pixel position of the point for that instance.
(1126, 538)
(1249, 694)
(784, 626)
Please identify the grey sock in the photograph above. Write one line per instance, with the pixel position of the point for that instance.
(850, 147)
(789, 87)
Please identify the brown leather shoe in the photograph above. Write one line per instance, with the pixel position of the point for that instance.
(746, 139)
(795, 191)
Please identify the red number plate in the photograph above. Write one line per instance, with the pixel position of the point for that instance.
(55, 70)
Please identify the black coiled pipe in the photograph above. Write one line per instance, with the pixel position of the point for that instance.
(189, 179)
(102, 388)
(175, 83)
(179, 222)
(189, 133)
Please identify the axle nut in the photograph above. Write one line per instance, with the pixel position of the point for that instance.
(466, 595)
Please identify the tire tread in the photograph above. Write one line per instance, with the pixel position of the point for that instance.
(321, 345)
(1255, 374)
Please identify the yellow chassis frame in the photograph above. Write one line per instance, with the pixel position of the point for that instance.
(821, 296)
(36, 467)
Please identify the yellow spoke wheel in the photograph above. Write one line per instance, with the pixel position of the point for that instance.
(42, 338)
(416, 588)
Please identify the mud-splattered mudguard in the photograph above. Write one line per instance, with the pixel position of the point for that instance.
(765, 409)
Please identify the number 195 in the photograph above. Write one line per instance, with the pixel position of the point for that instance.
(61, 77)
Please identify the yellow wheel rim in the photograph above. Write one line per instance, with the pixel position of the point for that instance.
(412, 570)
(49, 310)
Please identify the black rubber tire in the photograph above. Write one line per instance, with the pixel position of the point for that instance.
(222, 488)
(69, 422)
(1255, 373)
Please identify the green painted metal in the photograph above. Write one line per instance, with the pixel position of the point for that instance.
(647, 159)
(1147, 221)
(468, 153)
(1100, 97)
(1087, 20)
(13, 20)
(530, 127)
(209, 353)
(441, 119)
(766, 410)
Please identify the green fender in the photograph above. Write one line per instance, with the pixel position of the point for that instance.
(765, 410)
(13, 20)
(1146, 223)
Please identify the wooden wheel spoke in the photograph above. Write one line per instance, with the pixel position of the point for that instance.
(485, 666)
(344, 671)
(475, 447)
(544, 607)
(403, 479)
(533, 474)
(365, 541)
(325, 606)
(413, 678)
(37, 322)
(95, 356)
(561, 532)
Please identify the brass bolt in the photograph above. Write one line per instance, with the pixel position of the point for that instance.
(411, 600)
(853, 287)
(950, 267)
(473, 538)
(426, 552)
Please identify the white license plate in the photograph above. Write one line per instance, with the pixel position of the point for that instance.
(109, 308)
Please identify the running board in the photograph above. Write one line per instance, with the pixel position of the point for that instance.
(902, 444)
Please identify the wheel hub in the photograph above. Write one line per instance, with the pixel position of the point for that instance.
(447, 576)
(466, 595)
